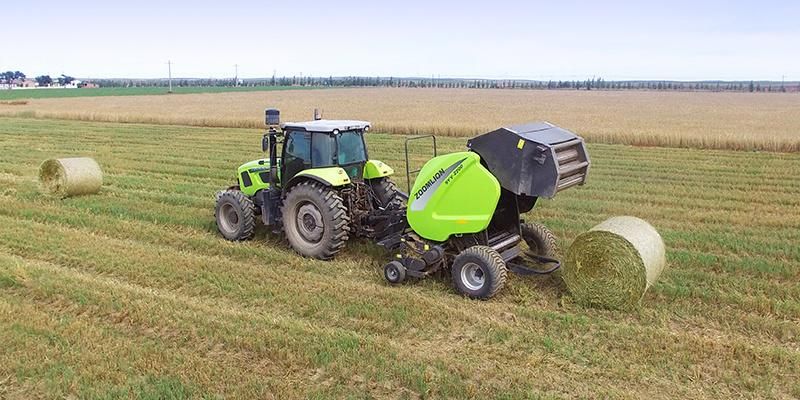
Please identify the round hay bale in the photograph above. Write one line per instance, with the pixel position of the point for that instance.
(614, 263)
(65, 177)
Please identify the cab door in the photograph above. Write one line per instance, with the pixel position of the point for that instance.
(296, 155)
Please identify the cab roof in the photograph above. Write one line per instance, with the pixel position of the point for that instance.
(326, 125)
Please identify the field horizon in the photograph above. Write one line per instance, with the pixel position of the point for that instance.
(706, 120)
(48, 93)
(131, 293)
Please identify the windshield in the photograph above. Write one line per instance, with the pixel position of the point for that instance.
(351, 148)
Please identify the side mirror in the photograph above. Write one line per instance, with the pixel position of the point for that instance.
(265, 143)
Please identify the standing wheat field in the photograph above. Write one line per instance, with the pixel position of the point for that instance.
(132, 293)
(739, 121)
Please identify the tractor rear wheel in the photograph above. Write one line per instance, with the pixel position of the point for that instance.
(540, 239)
(235, 215)
(479, 272)
(386, 193)
(315, 220)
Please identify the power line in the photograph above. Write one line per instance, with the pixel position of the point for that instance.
(169, 68)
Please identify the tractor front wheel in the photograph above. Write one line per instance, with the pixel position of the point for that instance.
(479, 272)
(315, 220)
(235, 215)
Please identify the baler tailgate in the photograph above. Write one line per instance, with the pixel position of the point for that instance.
(572, 164)
(536, 159)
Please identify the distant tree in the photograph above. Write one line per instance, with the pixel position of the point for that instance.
(65, 79)
(9, 76)
(44, 80)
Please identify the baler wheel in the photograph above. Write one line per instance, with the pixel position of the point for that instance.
(394, 272)
(315, 220)
(540, 239)
(235, 215)
(479, 272)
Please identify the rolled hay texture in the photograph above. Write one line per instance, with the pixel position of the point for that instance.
(65, 177)
(613, 264)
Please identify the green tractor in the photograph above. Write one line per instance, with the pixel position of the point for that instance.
(462, 214)
(320, 191)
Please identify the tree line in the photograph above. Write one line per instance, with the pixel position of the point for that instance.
(361, 81)
(9, 77)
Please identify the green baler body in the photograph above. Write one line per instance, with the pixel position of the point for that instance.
(453, 194)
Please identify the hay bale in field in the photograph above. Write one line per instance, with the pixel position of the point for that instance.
(65, 177)
(614, 263)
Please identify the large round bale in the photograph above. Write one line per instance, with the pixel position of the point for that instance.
(614, 263)
(65, 177)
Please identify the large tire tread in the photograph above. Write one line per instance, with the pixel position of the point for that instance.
(247, 213)
(540, 239)
(492, 261)
(387, 193)
(330, 203)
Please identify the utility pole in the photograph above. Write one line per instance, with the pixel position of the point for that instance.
(236, 75)
(169, 67)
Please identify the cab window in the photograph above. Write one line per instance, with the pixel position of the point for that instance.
(323, 148)
(296, 153)
(351, 148)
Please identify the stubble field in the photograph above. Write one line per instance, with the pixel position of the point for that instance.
(742, 121)
(131, 293)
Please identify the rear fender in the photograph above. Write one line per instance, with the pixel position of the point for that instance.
(376, 169)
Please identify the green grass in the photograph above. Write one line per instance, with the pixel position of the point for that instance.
(132, 294)
(132, 91)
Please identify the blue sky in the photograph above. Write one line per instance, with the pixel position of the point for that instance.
(687, 40)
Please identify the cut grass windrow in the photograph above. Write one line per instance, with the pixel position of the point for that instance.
(132, 293)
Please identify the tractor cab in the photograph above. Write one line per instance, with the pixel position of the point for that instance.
(323, 143)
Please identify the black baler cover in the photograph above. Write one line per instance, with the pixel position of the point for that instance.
(533, 159)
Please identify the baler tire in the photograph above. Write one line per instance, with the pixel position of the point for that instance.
(325, 207)
(234, 214)
(540, 239)
(394, 272)
(387, 193)
(485, 262)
